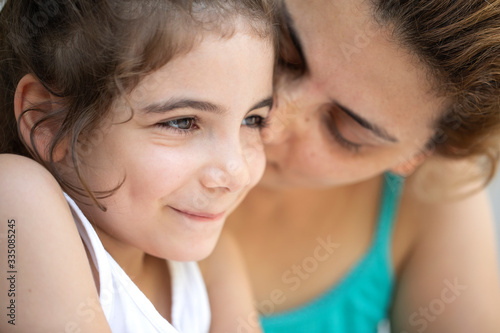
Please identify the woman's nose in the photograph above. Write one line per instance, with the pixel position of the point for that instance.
(281, 119)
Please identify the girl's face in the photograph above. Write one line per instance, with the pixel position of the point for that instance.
(364, 105)
(190, 152)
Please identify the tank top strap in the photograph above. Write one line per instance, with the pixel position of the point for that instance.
(127, 308)
(361, 299)
(98, 255)
(389, 204)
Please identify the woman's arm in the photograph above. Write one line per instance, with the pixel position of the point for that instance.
(451, 281)
(46, 282)
(229, 290)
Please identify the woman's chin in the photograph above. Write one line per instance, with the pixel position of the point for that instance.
(276, 177)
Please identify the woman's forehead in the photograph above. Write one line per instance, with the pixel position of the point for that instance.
(354, 61)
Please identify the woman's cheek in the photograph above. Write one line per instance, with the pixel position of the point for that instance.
(256, 161)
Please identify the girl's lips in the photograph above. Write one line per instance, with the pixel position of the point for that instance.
(199, 216)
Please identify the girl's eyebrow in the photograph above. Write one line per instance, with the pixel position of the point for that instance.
(173, 104)
(266, 102)
(185, 103)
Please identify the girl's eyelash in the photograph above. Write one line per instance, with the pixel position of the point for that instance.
(262, 122)
(265, 123)
(334, 131)
(173, 124)
(169, 125)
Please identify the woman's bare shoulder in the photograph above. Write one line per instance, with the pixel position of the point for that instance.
(465, 207)
(453, 247)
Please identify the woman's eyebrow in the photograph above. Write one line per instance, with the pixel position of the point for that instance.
(292, 30)
(377, 130)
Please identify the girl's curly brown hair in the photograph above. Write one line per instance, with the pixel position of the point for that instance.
(87, 53)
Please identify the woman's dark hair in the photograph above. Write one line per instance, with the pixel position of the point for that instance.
(87, 53)
(459, 42)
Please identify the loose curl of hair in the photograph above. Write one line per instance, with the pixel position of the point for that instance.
(88, 53)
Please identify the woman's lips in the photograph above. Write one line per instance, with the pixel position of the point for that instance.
(200, 216)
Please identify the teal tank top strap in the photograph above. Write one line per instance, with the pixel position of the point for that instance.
(389, 204)
(361, 300)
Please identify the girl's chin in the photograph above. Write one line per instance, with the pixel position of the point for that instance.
(194, 252)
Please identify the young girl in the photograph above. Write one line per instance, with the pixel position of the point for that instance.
(148, 116)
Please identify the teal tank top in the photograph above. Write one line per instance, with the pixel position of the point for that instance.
(360, 302)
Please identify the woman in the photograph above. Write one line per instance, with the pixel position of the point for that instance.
(371, 90)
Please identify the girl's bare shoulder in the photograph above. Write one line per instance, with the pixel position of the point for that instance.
(20, 174)
(50, 272)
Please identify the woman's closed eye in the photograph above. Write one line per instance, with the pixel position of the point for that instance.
(346, 131)
(333, 129)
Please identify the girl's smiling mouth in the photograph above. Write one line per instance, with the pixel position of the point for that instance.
(201, 216)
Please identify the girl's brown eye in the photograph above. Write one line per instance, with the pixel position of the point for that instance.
(255, 121)
(182, 124)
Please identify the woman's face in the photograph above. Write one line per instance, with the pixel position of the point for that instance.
(364, 105)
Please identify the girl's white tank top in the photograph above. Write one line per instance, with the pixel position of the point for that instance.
(127, 309)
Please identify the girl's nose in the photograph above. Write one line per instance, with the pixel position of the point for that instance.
(229, 171)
